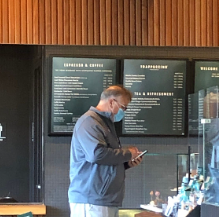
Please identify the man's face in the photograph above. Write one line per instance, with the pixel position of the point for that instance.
(117, 103)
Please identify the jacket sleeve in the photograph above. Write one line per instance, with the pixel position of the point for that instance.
(90, 137)
(126, 165)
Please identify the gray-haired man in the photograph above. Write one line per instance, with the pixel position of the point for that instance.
(97, 160)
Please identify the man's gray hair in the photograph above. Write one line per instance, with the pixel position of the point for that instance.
(116, 90)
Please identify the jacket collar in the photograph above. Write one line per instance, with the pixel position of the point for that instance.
(105, 114)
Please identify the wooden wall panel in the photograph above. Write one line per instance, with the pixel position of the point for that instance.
(23, 22)
(1, 21)
(168, 22)
(102, 22)
(29, 21)
(138, 16)
(35, 22)
(174, 23)
(126, 23)
(72, 21)
(186, 22)
(150, 22)
(54, 31)
(121, 22)
(48, 22)
(96, 22)
(144, 22)
(215, 22)
(114, 22)
(203, 22)
(42, 21)
(90, 22)
(156, 22)
(60, 17)
(5, 22)
(11, 21)
(132, 22)
(110, 22)
(209, 23)
(162, 23)
(192, 23)
(66, 22)
(197, 23)
(84, 22)
(180, 20)
(78, 21)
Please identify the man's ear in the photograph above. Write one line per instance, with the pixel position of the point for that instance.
(111, 102)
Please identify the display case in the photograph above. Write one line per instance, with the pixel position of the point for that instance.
(210, 146)
(160, 177)
(195, 132)
(204, 132)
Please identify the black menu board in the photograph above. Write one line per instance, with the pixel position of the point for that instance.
(76, 85)
(206, 74)
(158, 104)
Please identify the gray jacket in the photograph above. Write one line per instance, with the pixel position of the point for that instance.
(97, 161)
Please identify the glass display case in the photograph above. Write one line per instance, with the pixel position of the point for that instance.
(204, 131)
(195, 115)
(155, 179)
(210, 146)
(189, 179)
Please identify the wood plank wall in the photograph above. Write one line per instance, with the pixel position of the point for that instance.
(110, 22)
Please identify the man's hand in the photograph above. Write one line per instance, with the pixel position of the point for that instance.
(134, 151)
(136, 162)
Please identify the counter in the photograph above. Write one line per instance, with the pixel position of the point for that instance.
(14, 209)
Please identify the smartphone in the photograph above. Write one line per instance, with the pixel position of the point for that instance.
(143, 153)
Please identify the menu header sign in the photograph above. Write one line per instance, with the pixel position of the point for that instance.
(158, 104)
(206, 74)
(76, 85)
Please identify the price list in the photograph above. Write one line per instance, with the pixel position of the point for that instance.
(76, 85)
(196, 112)
(158, 104)
(177, 114)
(193, 115)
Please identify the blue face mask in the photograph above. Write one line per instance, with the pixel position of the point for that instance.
(119, 116)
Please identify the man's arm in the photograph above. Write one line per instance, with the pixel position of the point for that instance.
(131, 163)
(91, 139)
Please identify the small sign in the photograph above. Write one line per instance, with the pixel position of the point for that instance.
(1, 129)
(205, 121)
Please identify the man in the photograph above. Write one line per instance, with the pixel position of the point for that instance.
(97, 160)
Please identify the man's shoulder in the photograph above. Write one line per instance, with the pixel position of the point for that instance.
(86, 119)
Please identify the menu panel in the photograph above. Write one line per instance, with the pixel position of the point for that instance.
(76, 85)
(206, 74)
(158, 104)
(196, 112)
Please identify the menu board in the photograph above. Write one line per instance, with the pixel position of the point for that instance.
(77, 84)
(158, 104)
(206, 74)
(195, 112)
